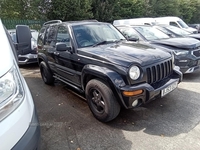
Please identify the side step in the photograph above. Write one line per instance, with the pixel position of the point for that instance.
(68, 83)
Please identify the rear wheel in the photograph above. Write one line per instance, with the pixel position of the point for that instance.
(101, 101)
(46, 74)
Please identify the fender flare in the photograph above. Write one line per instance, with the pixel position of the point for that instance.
(112, 78)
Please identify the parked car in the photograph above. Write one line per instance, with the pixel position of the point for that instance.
(175, 21)
(95, 59)
(135, 21)
(29, 55)
(19, 126)
(176, 32)
(196, 26)
(186, 50)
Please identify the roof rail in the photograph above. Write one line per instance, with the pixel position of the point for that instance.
(82, 21)
(52, 21)
(92, 20)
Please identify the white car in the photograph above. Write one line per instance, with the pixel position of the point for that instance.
(19, 126)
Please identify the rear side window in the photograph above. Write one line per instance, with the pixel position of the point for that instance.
(41, 36)
(51, 36)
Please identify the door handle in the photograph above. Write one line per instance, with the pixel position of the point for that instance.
(56, 53)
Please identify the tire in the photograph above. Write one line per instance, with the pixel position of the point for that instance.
(101, 101)
(46, 74)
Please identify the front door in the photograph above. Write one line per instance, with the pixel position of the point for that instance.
(66, 61)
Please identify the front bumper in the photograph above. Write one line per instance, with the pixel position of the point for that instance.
(150, 92)
(188, 65)
(27, 59)
(31, 138)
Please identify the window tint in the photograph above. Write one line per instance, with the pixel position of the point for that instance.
(63, 35)
(51, 36)
(41, 36)
(173, 24)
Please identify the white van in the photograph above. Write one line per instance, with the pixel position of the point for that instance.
(135, 21)
(19, 127)
(175, 21)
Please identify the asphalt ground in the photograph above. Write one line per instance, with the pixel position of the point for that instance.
(170, 123)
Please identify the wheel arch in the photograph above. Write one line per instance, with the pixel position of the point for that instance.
(109, 77)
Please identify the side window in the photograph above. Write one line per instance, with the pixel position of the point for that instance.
(63, 36)
(41, 36)
(172, 23)
(51, 36)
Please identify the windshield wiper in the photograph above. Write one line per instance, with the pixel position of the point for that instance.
(100, 43)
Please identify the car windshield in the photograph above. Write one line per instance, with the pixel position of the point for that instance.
(96, 34)
(178, 31)
(182, 24)
(151, 33)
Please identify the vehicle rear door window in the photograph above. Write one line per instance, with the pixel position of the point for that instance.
(41, 36)
(51, 36)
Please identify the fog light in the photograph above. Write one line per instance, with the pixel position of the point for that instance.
(135, 102)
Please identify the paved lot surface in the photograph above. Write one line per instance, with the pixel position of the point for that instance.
(172, 122)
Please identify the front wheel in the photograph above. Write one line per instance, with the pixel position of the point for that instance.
(101, 101)
(46, 74)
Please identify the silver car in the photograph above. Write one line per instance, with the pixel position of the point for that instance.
(29, 55)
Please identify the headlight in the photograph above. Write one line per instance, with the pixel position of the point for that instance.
(181, 52)
(11, 92)
(134, 72)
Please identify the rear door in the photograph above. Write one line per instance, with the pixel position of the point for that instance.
(50, 45)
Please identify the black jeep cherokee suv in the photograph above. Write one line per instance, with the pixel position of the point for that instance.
(95, 58)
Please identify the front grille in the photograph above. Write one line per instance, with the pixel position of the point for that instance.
(196, 53)
(158, 72)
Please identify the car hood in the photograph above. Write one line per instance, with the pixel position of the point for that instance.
(180, 43)
(196, 36)
(125, 54)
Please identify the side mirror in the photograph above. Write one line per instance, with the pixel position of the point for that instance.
(134, 39)
(63, 47)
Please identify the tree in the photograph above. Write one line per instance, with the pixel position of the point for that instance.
(129, 9)
(164, 8)
(21, 9)
(103, 9)
(70, 9)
